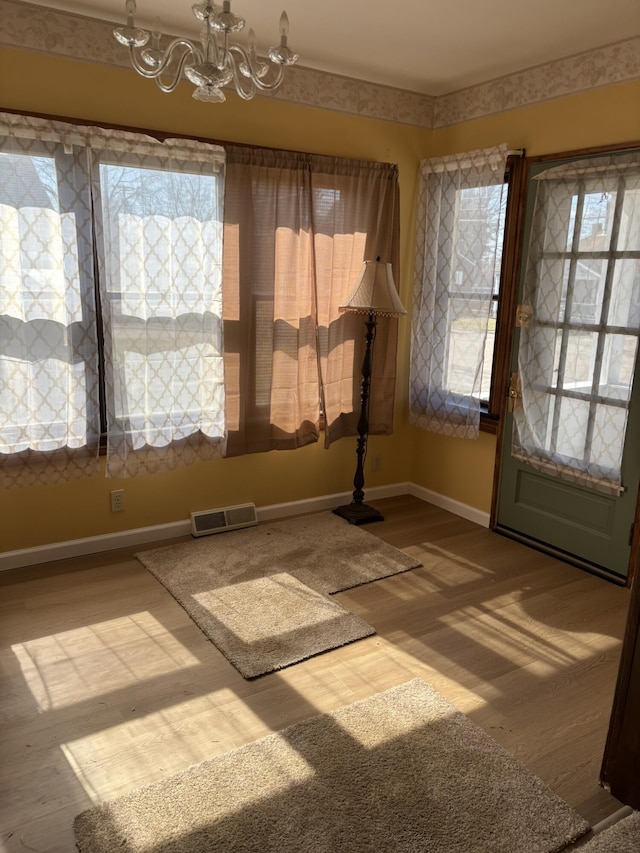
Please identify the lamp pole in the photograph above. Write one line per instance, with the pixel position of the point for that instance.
(358, 512)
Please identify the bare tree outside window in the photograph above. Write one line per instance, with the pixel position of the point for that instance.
(476, 273)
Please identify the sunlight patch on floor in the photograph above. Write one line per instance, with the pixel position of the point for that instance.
(77, 665)
(144, 768)
(446, 570)
(145, 746)
(514, 635)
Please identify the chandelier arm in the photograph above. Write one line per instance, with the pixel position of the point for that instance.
(153, 73)
(170, 87)
(257, 82)
(238, 79)
(273, 85)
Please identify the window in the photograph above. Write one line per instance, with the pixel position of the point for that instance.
(160, 264)
(93, 218)
(459, 240)
(297, 229)
(478, 261)
(111, 265)
(49, 409)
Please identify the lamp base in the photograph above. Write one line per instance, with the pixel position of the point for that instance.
(358, 513)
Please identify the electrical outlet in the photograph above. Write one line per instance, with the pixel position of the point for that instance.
(376, 463)
(117, 500)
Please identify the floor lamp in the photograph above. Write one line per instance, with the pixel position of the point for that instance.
(375, 295)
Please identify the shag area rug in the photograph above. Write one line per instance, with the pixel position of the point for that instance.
(261, 595)
(622, 837)
(401, 772)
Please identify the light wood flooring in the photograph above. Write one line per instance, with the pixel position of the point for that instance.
(108, 685)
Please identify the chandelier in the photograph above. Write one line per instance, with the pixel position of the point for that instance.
(212, 62)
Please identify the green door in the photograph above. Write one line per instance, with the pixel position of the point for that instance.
(570, 457)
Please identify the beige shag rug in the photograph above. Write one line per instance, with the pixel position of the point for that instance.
(401, 772)
(261, 594)
(622, 837)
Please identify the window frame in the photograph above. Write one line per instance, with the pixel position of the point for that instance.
(491, 413)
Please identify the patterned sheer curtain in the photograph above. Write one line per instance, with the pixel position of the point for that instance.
(49, 404)
(460, 220)
(158, 209)
(297, 229)
(578, 353)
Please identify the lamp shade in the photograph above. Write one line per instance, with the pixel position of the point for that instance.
(375, 292)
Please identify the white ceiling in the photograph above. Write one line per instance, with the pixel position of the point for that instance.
(427, 46)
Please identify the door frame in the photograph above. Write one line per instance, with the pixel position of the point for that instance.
(618, 772)
(507, 307)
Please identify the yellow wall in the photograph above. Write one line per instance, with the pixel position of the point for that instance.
(460, 470)
(599, 117)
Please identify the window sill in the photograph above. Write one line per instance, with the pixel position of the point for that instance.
(489, 423)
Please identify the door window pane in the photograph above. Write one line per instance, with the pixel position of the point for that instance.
(582, 281)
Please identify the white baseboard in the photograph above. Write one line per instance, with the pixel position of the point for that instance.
(268, 513)
(156, 533)
(456, 507)
(92, 544)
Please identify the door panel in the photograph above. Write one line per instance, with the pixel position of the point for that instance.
(562, 482)
(580, 522)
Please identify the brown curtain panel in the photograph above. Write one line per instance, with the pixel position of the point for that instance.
(269, 311)
(355, 216)
(297, 229)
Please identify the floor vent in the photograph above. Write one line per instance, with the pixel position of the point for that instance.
(226, 518)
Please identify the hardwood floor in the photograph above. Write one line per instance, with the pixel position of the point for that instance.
(107, 684)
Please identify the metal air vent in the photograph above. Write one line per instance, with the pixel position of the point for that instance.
(225, 518)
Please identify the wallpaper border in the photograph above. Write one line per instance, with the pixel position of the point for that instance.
(66, 34)
(593, 69)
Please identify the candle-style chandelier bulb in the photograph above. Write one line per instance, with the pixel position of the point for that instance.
(130, 9)
(282, 53)
(254, 66)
